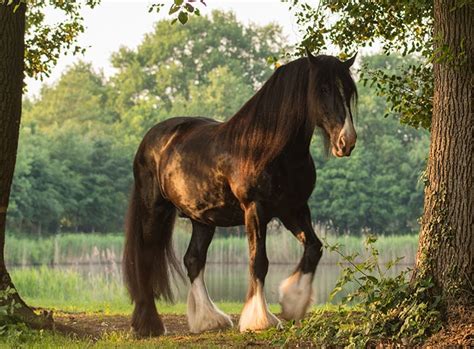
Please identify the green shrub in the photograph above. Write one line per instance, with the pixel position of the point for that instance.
(384, 308)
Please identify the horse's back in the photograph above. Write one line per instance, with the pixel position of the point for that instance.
(166, 133)
(179, 124)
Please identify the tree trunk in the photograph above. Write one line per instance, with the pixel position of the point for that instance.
(12, 48)
(446, 248)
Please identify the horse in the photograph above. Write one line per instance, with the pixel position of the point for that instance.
(246, 171)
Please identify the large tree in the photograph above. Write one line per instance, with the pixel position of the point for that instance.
(446, 250)
(441, 33)
(27, 44)
(12, 47)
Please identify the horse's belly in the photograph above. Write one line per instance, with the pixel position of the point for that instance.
(223, 213)
(209, 202)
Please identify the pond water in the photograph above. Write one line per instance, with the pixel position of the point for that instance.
(229, 282)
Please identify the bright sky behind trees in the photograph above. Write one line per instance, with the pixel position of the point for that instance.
(116, 23)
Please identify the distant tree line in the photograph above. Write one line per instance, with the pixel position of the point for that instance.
(79, 136)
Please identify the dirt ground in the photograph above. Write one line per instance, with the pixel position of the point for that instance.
(457, 333)
(95, 325)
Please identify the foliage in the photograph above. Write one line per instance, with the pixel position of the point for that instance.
(170, 60)
(179, 10)
(221, 98)
(386, 308)
(54, 186)
(377, 188)
(403, 27)
(9, 325)
(46, 40)
(7, 305)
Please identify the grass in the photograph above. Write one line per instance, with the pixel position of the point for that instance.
(68, 290)
(282, 248)
(21, 337)
(47, 339)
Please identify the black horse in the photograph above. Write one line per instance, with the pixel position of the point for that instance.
(248, 170)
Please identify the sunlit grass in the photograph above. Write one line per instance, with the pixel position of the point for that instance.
(68, 290)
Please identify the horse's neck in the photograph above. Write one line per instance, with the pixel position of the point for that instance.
(299, 144)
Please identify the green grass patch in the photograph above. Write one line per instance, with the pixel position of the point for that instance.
(25, 338)
(68, 290)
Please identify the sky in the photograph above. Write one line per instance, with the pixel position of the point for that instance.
(116, 23)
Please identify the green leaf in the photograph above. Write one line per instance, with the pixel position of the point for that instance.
(173, 9)
(189, 7)
(183, 17)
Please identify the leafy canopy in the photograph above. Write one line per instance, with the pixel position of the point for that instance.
(402, 27)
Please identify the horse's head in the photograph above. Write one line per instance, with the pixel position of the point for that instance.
(331, 93)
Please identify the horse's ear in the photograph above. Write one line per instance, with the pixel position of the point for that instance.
(350, 61)
(312, 59)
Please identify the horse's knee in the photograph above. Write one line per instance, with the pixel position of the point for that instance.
(193, 265)
(260, 266)
(312, 256)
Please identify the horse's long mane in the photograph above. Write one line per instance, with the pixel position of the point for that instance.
(259, 131)
(262, 128)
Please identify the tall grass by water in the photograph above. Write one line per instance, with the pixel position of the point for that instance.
(72, 290)
(60, 271)
(282, 247)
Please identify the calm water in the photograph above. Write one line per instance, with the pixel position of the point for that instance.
(229, 282)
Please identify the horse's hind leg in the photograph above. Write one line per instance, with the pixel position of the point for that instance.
(145, 319)
(203, 315)
(296, 291)
(147, 254)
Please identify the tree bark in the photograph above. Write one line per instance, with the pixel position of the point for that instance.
(12, 48)
(446, 248)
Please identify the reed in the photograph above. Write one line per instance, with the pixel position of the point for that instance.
(71, 291)
(282, 247)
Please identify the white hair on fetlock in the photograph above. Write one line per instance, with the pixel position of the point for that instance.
(255, 316)
(296, 295)
(203, 314)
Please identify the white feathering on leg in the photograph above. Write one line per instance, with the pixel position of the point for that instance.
(255, 315)
(296, 295)
(203, 315)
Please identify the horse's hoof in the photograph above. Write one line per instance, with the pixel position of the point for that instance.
(149, 330)
(146, 322)
(263, 323)
(213, 321)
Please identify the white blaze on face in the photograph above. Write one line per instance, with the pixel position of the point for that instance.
(347, 136)
(348, 131)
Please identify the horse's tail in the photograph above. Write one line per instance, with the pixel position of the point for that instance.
(148, 258)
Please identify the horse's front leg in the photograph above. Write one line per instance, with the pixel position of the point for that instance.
(296, 291)
(255, 315)
(203, 314)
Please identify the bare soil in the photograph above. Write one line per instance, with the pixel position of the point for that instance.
(457, 333)
(94, 325)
